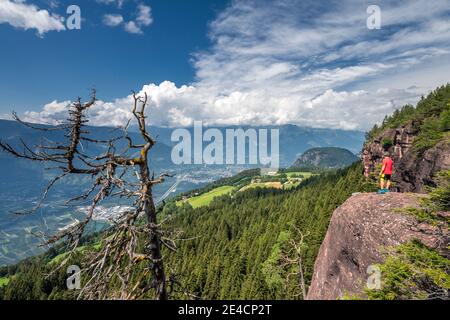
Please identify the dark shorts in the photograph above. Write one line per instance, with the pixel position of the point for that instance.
(387, 177)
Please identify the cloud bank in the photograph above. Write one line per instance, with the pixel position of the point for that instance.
(299, 62)
(22, 15)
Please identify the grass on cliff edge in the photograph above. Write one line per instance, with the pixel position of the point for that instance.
(413, 270)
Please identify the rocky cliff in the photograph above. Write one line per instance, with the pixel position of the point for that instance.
(358, 232)
(418, 140)
(412, 171)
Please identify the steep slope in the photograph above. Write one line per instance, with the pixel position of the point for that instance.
(413, 170)
(234, 248)
(328, 157)
(358, 232)
(23, 182)
(418, 140)
(226, 244)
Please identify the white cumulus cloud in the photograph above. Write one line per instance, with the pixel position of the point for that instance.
(22, 15)
(112, 20)
(118, 3)
(299, 62)
(132, 27)
(143, 18)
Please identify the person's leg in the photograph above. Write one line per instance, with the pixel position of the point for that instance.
(387, 181)
(381, 182)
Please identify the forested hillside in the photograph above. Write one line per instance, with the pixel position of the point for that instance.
(327, 157)
(255, 243)
(430, 118)
(232, 249)
(417, 139)
(240, 241)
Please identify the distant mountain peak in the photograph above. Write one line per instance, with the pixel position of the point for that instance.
(326, 157)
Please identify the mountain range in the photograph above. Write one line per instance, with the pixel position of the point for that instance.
(23, 181)
(331, 231)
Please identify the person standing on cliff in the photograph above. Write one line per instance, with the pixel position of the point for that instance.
(386, 173)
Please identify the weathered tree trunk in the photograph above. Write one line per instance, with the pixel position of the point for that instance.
(155, 250)
(115, 260)
(302, 278)
(149, 209)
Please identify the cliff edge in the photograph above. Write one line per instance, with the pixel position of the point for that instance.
(412, 171)
(358, 231)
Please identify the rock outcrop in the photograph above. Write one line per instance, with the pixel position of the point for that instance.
(412, 172)
(358, 231)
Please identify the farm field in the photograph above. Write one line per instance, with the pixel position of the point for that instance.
(293, 180)
(4, 281)
(275, 185)
(206, 198)
(59, 258)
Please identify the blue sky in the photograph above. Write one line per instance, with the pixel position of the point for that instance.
(255, 62)
(60, 65)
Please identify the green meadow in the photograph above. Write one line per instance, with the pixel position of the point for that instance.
(296, 174)
(60, 257)
(206, 198)
(4, 281)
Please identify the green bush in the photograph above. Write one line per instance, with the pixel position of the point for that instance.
(438, 200)
(439, 196)
(413, 271)
(387, 143)
(429, 135)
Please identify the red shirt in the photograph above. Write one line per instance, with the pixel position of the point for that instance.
(388, 164)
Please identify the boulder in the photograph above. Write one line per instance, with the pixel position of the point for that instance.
(358, 234)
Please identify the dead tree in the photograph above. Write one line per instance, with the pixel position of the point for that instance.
(111, 173)
(293, 259)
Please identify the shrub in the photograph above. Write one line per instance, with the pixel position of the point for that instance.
(387, 143)
(413, 271)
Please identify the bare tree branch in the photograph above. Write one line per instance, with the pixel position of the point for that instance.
(124, 249)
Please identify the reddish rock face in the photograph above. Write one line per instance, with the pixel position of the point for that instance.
(401, 139)
(358, 231)
(412, 172)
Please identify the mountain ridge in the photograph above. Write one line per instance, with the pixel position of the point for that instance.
(326, 157)
(239, 243)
